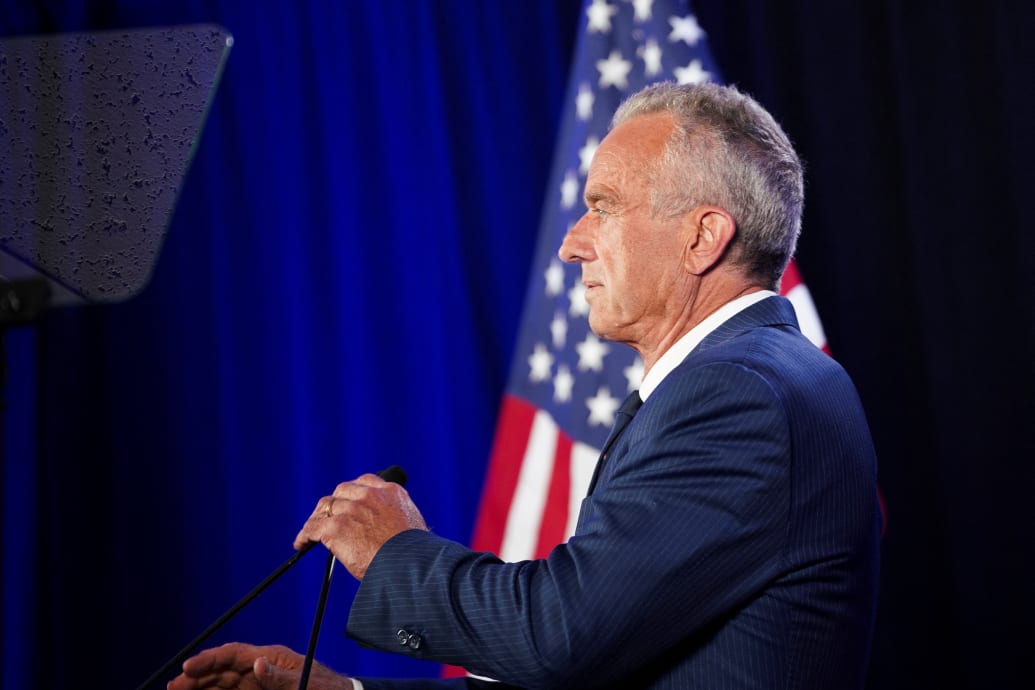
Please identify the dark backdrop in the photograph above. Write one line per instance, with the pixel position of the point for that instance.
(341, 284)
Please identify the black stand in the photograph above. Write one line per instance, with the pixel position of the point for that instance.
(314, 635)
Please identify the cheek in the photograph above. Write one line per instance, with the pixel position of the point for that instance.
(631, 267)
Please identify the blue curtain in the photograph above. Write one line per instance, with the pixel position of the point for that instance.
(340, 289)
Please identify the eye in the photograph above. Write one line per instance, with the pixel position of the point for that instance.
(601, 213)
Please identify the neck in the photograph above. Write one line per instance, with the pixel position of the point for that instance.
(699, 305)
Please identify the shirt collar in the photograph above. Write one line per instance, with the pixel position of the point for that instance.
(682, 347)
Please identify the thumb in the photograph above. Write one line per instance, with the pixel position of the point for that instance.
(272, 677)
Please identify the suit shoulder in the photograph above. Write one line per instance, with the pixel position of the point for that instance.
(774, 352)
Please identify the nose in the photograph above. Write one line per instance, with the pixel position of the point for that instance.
(577, 245)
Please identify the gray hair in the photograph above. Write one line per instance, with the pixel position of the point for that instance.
(728, 151)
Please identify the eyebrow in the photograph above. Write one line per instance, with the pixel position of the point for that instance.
(597, 194)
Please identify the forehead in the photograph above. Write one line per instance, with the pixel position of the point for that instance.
(628, 151)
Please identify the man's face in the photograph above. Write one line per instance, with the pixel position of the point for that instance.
(631, 261)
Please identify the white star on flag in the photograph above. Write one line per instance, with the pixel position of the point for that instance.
(559, 330)
(591, 353)
(685, 29)
(634, 374)
(569, 190)
(562, 384)
(540, 363)
(586, 154)
(584, 103)
(693, 73)
(651, 55)
(600, 14)
(602, 407)
(554, 278)
(614, 71)
(642, 10)
(578, 306)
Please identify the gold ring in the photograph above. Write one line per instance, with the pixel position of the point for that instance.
(328, 511)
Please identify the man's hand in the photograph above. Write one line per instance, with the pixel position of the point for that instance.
(247, 667)
(358, 519)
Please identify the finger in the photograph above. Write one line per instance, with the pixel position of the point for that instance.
(354, 490)
(366, 487)
(226, 679)
(182, 682)
(370, 480)
(324, 507)
(358, 487)
(234, 656)
(272, 677)
(312, 530)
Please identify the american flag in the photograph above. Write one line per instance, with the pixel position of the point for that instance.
(566, 384)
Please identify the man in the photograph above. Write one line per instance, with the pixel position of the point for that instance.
(730, 535)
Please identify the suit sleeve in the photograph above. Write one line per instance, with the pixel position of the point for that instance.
(685, 526)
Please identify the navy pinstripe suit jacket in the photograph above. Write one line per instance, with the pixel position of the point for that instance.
(731, 542)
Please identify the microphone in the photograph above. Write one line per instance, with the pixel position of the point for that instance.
(394, 474)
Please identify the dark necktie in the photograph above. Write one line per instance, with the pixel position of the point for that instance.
(622, 418)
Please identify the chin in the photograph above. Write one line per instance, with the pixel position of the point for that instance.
(600, 330)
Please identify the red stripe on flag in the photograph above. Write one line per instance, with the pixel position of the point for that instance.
(791, 278)
(558, 499)
(453, 671)
(508, 452)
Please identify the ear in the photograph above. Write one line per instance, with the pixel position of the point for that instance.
(711, 231)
